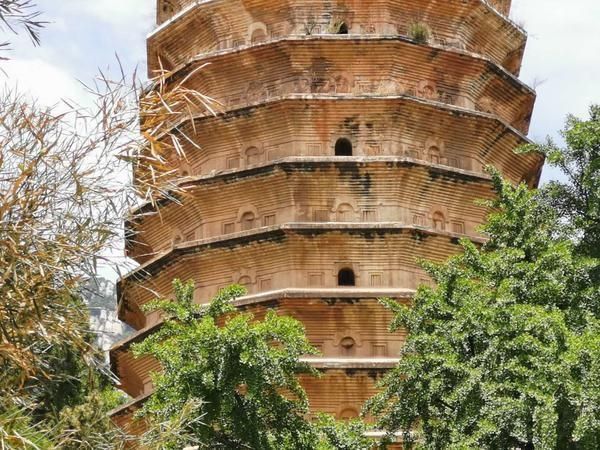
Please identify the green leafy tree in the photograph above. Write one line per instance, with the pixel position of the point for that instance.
(503, 352)
(86, 425)
(241, 373)
(342, 435)
(577, 199)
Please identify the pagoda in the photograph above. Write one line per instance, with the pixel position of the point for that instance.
(351, 142)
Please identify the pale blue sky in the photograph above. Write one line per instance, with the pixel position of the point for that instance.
(563, 51)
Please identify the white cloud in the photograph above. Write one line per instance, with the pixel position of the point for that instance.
(43, 81)
(115, 12)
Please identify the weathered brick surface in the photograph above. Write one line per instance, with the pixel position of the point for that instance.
(333, 164)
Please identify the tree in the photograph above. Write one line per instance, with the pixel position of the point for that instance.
(237, 371)
(578, 199)
(63, 195)
(503, 351)
(54, 220)
(64, 190)
(342, 435)
(230, 381)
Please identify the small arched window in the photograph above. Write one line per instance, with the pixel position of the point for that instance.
(439, 222)
(345, 213)
(343, 29)
(348, 414)
(258, 36)
(252, 155)
(346, 277)
(434, 154)
(248, 221)
(343, 147)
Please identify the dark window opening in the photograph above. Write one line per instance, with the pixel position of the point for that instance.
(346, 278)
(343, 147)
(343, 28)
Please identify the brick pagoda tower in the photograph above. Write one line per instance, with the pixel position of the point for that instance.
(352, 141)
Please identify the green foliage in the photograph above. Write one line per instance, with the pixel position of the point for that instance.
(18, 433)
(86, 425)
(240, 373)
(419, 32)
(503, 352)
(336, 435)
(578, 199)
(177, 430)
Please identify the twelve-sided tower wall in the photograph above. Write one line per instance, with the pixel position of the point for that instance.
(352, 140)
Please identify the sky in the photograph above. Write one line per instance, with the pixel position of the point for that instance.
(562, 59)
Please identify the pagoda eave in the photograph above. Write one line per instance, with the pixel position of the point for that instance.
(471, 81)
(220, 20)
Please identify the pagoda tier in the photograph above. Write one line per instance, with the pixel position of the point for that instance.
(341, 390)
(200, 28)
(349, 66)
(294, 255)
(345, 149)
(340, 323)
(294, 126)
(305, 189)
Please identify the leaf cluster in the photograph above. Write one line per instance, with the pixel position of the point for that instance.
(242, 373)
(577, 198)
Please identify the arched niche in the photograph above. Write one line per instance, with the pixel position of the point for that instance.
(434, 141)
(343, 28)
(258, 37)
(245, 281)
(345, 212)
(348, 346)
(338, 83)
(434, 154)
(252, 155)
(427, 89)
(438, 221)
(256, 92)
(248, 221)
(257, 33)
(246, 210)
(246, 278)
(348, 413)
